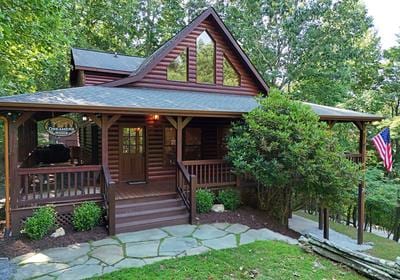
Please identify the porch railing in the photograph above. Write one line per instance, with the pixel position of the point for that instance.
(109, 198)
(354, 157)
(186, 185)
(39, 186)
(211, 173)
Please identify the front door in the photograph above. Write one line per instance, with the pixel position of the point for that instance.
(132, 153)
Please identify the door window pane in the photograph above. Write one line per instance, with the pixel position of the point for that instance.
(132, 140)
(205, 54)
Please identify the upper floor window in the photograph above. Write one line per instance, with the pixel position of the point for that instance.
(177, 69)
(205, 59)
(231, 76)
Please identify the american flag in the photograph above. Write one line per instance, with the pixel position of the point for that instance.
(384, 148)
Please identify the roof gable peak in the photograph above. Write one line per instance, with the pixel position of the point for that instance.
(151, 61)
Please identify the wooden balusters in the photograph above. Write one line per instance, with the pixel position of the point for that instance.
(211, 173)
(51, 184)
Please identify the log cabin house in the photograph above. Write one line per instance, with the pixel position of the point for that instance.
(151, 130)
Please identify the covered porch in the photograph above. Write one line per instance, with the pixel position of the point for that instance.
(136, 146)
(93, 167)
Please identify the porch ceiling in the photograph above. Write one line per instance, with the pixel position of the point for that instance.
(160, 101)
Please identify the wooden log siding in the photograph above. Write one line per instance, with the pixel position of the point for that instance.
(92, 78)
(57, 184)
(155, 165)
(157, 77)
(155, 168)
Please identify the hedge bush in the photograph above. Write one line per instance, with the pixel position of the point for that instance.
(86, 216)
(229, 198)
(40, 223)
(204, 201)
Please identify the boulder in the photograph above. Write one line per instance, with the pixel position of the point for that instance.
(218, 208)
(59, 232)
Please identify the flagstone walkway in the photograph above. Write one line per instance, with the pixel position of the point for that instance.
(136, 249)
(306, 226)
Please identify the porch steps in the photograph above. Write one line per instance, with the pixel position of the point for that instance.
(149, 212)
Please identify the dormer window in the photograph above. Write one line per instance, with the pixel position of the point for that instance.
(177, 69)
(231, 76)
(205, 67)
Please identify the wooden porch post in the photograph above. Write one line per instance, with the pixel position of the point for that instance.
(361, 186)
(13, 160)
(105, 124)
(179, 139)
(179, 124)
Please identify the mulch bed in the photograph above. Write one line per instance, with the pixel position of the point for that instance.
(248, 216)
(254, 218)
(12, 247)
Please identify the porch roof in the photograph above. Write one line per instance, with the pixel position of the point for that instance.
(160, 101)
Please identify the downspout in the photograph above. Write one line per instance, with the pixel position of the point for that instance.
(6, 176)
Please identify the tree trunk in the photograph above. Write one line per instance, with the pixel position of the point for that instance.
(348, 216)
(276, 202)
(355, 216)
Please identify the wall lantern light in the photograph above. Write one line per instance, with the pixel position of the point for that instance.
(84, 118)
(156, 117)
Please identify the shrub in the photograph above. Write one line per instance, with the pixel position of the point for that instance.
(204, 200)
(86, 216)
(229, 198)
(40, 223)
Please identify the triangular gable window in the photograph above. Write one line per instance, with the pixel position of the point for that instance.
(231, 76)
(205, 52)
(177, 69)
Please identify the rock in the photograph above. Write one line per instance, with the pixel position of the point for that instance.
(218, 208)
(397, 261)
(225, 242)
(176, 245)
(80, 272)
(208, 232)
(318, 265)
(144, 235)
(144, 249)
(32, 270)
(108, 254)
(180, 230)
(237, 228)
(59, 232)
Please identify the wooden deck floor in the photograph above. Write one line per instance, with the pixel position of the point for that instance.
(126, 191)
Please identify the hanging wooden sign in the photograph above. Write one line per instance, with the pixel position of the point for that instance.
(60, 126)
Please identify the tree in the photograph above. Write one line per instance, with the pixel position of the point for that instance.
(33, 46)
(285, 148)
(318, 51)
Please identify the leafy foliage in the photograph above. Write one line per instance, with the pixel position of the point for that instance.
(40, 223)
(230, 198)
(204, 200)
(86, 216)
(286, 149)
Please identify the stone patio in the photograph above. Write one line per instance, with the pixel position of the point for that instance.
(136, 249)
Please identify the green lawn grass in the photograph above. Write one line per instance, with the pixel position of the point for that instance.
(259, 260)
(383, 248)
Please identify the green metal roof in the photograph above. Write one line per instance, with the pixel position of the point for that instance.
(158, 100)
(103, 60)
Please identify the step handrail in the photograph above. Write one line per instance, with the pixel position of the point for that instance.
(186, 185)
(109, 198)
